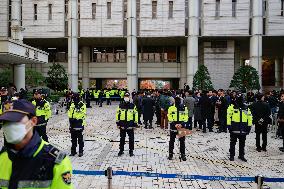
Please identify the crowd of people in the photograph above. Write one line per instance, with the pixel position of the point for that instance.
(177, 111)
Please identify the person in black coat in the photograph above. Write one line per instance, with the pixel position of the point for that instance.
(148, 105)
(206, 111)
(88, 98)
(280, 116)
(261, 118)
(222, 105)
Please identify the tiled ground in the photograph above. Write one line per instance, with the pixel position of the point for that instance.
(207, 154)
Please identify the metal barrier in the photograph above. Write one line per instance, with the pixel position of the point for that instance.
(259, 180)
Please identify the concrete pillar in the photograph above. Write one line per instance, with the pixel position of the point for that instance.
(132, 68)
(16, 34)
(256, 38)
(85, 66)
(73, 45)
(192, 40)
(19, 76)
(182, 67)
(16, 28)
(277, 72)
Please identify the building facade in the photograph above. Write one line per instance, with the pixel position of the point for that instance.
(134, 41)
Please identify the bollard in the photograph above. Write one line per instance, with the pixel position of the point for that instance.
(259, 181)
(108, 173)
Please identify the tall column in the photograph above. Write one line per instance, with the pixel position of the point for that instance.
(182, 80)
(277, 72)
(256, 38)
(73, 45)
(132, 78)
(19, 76)
(192, 40)
(85, 66)
(16, 34)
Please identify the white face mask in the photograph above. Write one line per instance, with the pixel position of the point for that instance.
(126, 99)
(15, 132)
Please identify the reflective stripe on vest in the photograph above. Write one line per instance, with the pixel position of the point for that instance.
(4, 183)
(34, 184)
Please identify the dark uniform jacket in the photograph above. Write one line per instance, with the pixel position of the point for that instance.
(261, 115)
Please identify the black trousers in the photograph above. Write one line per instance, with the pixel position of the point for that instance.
(97, 101)
(130, 133)
(146, 122)
(41, 130)
(108, 101)
(172, 143)
(158, 115)
(88, 103)
(77, 138)
(199, 124)
(264, 139)
(242, 141)
(282, 132)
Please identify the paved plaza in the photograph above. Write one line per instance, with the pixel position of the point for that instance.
(207, 154)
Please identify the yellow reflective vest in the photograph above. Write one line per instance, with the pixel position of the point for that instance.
(239, 120)
(107, 94)
(77, 115)
(175, 115)
(126, 115)
(43, 111)
(62, 171)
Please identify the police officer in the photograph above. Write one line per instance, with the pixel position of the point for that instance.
(43, 113)
(239, 121)
(77, 119)
(126, 120)
(96, 96)
(26, 160)
(178, 116)
(108, 97)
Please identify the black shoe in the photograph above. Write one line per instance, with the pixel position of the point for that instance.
(211, 131)
(204, 131)
(258, 149)
(183, 157)
(73, 153)
(120, 153)
(281, 149)
(170, 157)
(243, 159)
(80, 154)
(263, 149)
(231, 158)
(131, 153)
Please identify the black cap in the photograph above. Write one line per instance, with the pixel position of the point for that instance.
(16, 110)
(3, 89)
(259, 96)
(38, 91)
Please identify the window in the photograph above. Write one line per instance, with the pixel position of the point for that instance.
(154, 9)
(108, 10)
(49, 11)
(282, 7)
(94, 10)
(35, 11)
(171, 7)
(66, 9)
(219, 44)
(264, 8)
(234, 8)
(217, 11)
